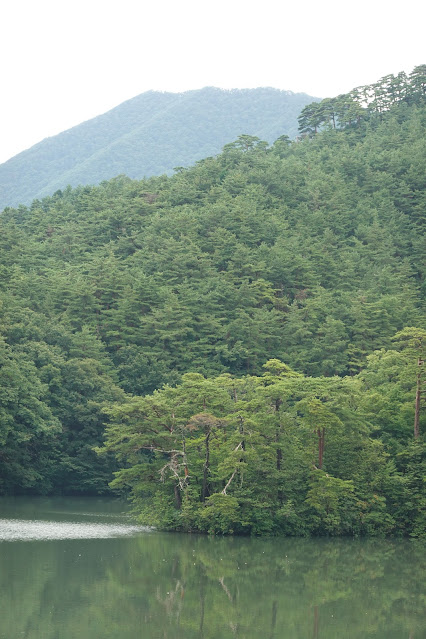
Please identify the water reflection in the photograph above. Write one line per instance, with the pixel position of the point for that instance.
(180, 586)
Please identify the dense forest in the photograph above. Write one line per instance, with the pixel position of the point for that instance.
(248, 334)
(148, 135)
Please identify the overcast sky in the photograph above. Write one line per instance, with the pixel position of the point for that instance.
(65, 62)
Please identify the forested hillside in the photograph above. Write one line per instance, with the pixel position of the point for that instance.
(150, 134)
(266, 293)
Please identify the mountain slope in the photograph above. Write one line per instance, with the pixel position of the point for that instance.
(148, 135)
(260, 315)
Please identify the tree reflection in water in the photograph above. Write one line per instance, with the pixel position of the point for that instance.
(193, 587)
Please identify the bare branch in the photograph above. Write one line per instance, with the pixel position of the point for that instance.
(162, 450)
(240, 445)
(229, 482)
(173, 466)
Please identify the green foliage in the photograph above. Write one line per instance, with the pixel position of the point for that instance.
(55, 385)
(280, 453)
(27, 424)
(333, 504)
(411, 463)
(364, 102)
(220, 514)
(240, 329)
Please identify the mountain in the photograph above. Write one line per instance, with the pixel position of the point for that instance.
(246, 337)
(148, 135)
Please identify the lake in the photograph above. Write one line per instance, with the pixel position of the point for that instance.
(73, 568)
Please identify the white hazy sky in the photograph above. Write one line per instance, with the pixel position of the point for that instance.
(65, 61)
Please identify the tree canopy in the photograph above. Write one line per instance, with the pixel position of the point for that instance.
(155, 304)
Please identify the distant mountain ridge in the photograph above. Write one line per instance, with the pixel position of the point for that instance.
(148, 135)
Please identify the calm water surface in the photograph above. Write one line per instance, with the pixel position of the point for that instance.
(81, 569)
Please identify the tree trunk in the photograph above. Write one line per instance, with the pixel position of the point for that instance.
(280, 495)
(279, 458)
(417, 410)
(418, 399)
(178, 498)
(321, 438)
(205, 488)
